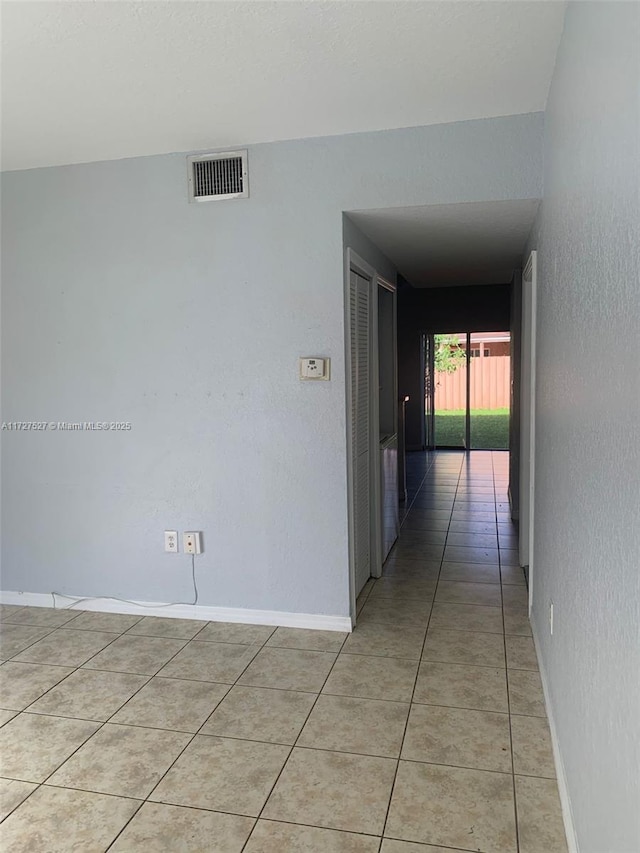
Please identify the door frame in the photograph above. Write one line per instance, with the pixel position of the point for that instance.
(428, 344)
(353, 262)
(528, 418)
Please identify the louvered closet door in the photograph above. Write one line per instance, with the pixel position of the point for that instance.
(360, 290)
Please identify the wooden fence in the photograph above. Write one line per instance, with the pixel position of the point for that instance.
(490, 385)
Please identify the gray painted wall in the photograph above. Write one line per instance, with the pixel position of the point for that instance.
(587, 507)
(123, 302)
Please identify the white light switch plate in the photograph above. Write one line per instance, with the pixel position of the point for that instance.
(315, 367)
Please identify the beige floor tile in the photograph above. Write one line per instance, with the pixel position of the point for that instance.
(199, 661)
(66, 648)
(363, 726)
(89, 694)
(223, 775)
(463, 738)
(509, 557)
(123, 760)
(93, 620)
(469, 554)
(288, 669)
(424, 570)
(159, 828)
(372, 678)
(521, 653)
(385, 640)
(16, 638)
(470, 572)
(42, 617)
(301, 638)
(172, 704)
(512, 575)
(9, 610)
(31, 746)
(474, 540)
(137, 655)
(414, 589)
(261, 714)
(232, 632)
(390, 846)
(466, 617)
(422, 537)
(467, 647)
(270, 836)
(453, 807)
(349, 792)
(361, 600)
(515, 596)
(532, 750)
(5, 716)
(525, 693)
(159, 626)
(396, 612)
(456, 592)
(55, 820)
(540, 824)
(417, 552)
(516, 622)
(12, 793)
(414, 522)
(459, 686)
(23, 683)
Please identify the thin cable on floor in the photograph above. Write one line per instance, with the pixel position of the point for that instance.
(127, 600)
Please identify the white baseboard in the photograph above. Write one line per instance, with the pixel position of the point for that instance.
(317, 621)
(563, 790)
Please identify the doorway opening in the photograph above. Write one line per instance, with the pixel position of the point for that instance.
(467, 390)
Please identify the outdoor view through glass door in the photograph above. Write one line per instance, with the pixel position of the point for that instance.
(467, 390)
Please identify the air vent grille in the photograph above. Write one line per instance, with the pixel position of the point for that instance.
(218, 176)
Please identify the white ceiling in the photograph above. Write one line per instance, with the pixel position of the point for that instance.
(84, 81)
(452, 244)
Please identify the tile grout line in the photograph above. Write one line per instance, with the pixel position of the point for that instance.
(195, 734)
(293, 746)
(506, 670)
(411, 702)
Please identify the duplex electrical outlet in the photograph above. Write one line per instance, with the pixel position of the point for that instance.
(171, 541)
(192, 542)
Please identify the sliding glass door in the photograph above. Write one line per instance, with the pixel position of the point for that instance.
(467, 390)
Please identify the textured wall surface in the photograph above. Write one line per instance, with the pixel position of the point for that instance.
(587, 528)
(121, 301)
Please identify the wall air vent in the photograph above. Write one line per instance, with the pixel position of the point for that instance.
(214, 177)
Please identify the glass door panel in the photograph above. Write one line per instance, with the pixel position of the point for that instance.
(490, 387)
(450, 389)
(427, 363)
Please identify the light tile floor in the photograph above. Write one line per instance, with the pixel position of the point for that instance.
(423, 731)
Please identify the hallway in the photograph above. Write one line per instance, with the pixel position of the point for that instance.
(477, 732)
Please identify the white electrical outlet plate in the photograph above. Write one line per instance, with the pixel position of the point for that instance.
(171, 541)
(315, 368)
(192, 541)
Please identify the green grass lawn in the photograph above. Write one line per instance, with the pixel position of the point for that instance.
(489, 429)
